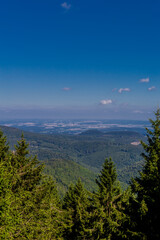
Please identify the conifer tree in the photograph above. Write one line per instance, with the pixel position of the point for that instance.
(38, 200)
(6, 222)
(29, 204)
(108, 209)
(4, 148)
(147, 185)
(76, 204)
(28, 168)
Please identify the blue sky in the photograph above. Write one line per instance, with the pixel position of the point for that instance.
(79, 59)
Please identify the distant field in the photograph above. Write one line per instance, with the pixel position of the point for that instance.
(76, 126)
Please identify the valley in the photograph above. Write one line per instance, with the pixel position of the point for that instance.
(68, 157)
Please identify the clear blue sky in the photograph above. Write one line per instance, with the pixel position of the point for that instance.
(79, 58)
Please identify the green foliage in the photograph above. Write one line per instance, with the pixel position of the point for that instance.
(109, 214)
(147, 185)
(86, 150)
(29, 205)
(65, 172)
(107, 180)
(76, 204)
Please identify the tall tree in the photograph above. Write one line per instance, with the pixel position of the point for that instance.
(109, 211)
(147, 185)
(6, 196)
(76, 204)
(4, 148)
(29, 205)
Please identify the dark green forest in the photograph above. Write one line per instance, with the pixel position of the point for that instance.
(67, 157)
(31, 206)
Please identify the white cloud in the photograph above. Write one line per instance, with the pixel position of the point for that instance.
(144, 80)
(106, 101)
(151, 88)
(124, 90)
(66, 5)
(66, 89)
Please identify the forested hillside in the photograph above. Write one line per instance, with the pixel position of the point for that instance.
(30, 207)
(68, 157)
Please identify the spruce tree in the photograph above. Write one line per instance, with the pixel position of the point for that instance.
(6, 196)
(147, 185)
(4, 147)
(37, 198)
(108, 205)
(76, 204)
(29, 204)
(29, 170)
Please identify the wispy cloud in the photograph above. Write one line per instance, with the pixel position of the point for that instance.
(105, 101)
(144, 80)
(138, 111)
(124, 90)
(114, 89)
(66, 89)
(66, 5)
(151, 88)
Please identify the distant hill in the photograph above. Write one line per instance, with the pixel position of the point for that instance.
(66, 171)
(85, 152)
(63, 171)
(124, 133)
(92, 132)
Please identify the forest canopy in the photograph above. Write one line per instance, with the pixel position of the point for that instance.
(30, 207)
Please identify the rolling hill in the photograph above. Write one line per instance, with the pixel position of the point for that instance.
(69, 157)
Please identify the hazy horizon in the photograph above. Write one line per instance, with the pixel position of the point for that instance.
(75, 113)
